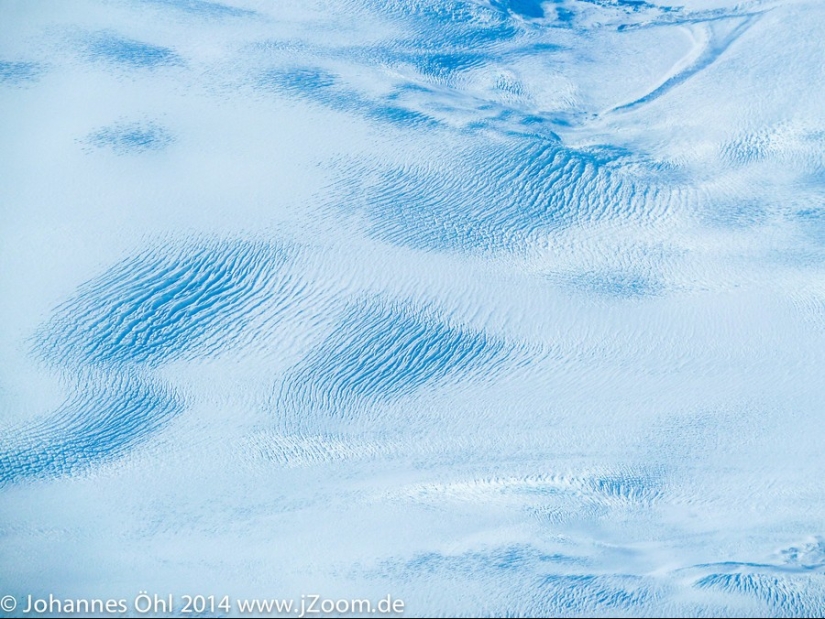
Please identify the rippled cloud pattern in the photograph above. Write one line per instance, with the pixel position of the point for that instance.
(502, 307)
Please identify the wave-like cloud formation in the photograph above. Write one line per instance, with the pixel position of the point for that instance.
(109, 414)
(170, 302)
(505, 307)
